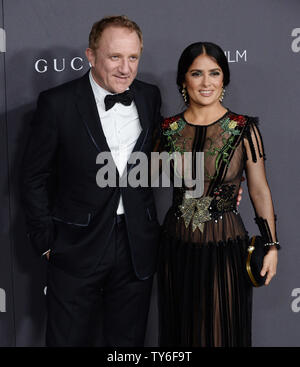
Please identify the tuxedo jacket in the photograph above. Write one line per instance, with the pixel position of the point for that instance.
(66, 211)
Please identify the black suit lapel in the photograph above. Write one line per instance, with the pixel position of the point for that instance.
(142, 109)
(87, 108)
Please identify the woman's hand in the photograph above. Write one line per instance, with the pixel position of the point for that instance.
(239, 198)
(270, 264)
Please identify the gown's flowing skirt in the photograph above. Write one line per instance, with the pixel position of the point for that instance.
(204, 299)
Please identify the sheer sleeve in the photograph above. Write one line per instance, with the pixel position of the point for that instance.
(258, 187)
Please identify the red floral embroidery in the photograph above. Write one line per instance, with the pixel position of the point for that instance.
(240, 119)
(167, 122)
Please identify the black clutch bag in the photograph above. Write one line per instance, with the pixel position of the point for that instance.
(254, 261)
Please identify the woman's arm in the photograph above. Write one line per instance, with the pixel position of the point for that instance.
(261, 198)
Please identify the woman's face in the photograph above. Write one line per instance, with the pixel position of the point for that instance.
(204, 81)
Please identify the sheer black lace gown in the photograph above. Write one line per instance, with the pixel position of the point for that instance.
(203, 297)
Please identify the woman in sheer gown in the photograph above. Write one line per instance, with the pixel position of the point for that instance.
(204, 299)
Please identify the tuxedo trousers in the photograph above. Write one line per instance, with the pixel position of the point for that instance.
(108, 308)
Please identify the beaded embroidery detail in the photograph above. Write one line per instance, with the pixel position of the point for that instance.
(197, 211)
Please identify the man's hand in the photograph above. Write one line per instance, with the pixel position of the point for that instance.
(47, 254)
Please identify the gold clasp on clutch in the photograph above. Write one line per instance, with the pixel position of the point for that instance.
(251, 249)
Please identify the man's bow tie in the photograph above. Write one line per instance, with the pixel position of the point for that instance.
(125, 98)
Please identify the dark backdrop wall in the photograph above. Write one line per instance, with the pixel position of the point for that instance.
(45, 43)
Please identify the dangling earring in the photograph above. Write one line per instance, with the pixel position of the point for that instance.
(222, 95)
(184, 94)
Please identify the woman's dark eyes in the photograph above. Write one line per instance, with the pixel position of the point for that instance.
(199, 73)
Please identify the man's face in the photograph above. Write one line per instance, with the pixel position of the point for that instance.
(116, 59)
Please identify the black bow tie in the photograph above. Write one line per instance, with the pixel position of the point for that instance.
(125, 98)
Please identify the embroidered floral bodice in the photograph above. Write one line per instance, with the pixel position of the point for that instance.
(230, 145)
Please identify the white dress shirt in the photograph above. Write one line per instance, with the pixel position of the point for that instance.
(121, 127)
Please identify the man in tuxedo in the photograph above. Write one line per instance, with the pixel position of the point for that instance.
(100, 242)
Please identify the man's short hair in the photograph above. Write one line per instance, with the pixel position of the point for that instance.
(112, 21)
